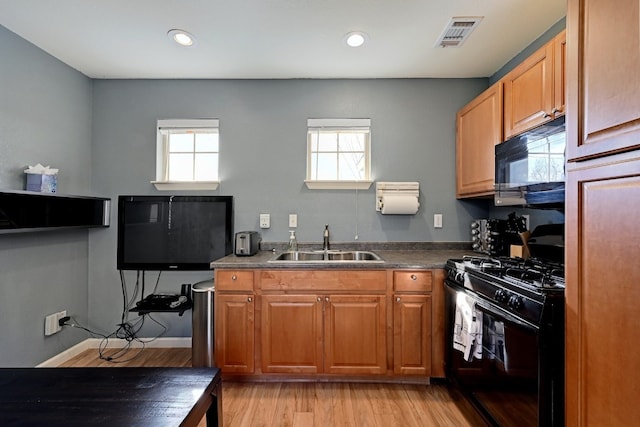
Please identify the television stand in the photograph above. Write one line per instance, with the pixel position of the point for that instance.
(163, 303)
(180, 309)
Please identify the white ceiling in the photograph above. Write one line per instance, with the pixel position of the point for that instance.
(276, 39)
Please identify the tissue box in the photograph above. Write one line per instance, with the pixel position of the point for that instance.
(42, 183)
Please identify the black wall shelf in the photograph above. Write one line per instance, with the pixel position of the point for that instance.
(28, 211)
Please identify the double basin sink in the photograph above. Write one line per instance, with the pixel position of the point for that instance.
(327, 256)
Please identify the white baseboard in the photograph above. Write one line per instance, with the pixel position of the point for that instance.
(90, 343)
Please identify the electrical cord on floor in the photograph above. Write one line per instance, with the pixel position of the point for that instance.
(126, 330)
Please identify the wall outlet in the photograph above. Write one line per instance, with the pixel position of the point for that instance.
(293, 220)
(52, 322)
(265, 220)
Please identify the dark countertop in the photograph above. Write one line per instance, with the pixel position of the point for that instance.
(418, 259)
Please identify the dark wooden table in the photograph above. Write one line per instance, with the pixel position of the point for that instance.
(110, 397)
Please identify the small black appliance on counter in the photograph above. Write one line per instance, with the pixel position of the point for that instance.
(247, 243)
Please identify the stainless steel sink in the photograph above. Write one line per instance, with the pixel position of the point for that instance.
(299, 256)
(353, 256)
(327, 256)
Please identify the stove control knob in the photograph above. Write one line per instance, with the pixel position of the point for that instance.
(460, 277)
(515, 302)
(501, 295)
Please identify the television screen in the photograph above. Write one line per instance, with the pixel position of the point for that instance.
(173, 232)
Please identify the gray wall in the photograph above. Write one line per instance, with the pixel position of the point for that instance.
(263, 152)
(45, 116)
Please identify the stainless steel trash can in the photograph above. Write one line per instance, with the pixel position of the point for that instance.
(202, 340)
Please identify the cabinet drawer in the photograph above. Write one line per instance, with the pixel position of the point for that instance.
(234, 280)
(324, 280)
(412, 281)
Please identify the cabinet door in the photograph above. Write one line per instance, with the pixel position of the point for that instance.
(528, 93)
(602, 293)
(234, 329)
(355, 334)
(412, 334)
(478, 130)
(603, 87)
(291, 333)
(559, 73)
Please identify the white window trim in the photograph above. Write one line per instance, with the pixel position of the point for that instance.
(313, 184)
(164, 185)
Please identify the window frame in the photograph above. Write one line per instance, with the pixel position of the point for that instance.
(162, 183)
(337, 125)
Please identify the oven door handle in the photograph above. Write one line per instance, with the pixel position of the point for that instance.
(490, 308)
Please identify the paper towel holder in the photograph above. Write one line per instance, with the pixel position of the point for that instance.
(411, 189)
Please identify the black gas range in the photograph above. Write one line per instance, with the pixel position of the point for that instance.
(519, 286)
(505, 328)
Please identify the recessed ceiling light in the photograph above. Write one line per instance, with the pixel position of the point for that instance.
(182, 37)
(355, 38)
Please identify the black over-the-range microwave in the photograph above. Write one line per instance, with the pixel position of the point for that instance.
(530, 167)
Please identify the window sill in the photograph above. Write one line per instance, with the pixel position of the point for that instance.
(185, 185)
(338, 185)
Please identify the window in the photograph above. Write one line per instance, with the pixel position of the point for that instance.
(338, 153)
(187, 155)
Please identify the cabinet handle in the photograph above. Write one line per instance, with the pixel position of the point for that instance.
(319, 299)
(326, 299)
(249, 299)
(414, 277)
(547, 115)
(397, 299)
(234, 277)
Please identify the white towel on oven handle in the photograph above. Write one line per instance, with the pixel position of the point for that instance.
(467, 334)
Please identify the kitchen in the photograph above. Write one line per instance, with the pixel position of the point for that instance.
(118, 117)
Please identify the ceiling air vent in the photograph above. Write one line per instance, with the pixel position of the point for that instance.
(457, 31)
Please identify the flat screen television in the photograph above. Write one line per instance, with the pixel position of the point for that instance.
(173, 232)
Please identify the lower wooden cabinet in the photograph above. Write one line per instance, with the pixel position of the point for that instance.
(292, 334)
(336, 323)
(355, 334)
(335, 334)
(234, 332)
(412, 334)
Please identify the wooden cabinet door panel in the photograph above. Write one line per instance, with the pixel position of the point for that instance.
(560, 73)
(291, 334)
(528, 93)
(602, 294)
(412, 334)
(234, 330)
(355, 334)
(478, 130)
(603, 86)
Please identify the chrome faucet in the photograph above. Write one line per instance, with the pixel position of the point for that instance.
(325, 239)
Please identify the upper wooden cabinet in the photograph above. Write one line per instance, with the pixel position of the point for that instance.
(478, 130)
(604, 84)
(560, 73)
(534, 90)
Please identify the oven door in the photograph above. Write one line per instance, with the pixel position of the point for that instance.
(501, 377)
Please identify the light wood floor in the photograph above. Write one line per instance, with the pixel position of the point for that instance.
(301, 404)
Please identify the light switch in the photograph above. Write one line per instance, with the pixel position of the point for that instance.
(437, 220)
(265, 220)
(293, 220)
